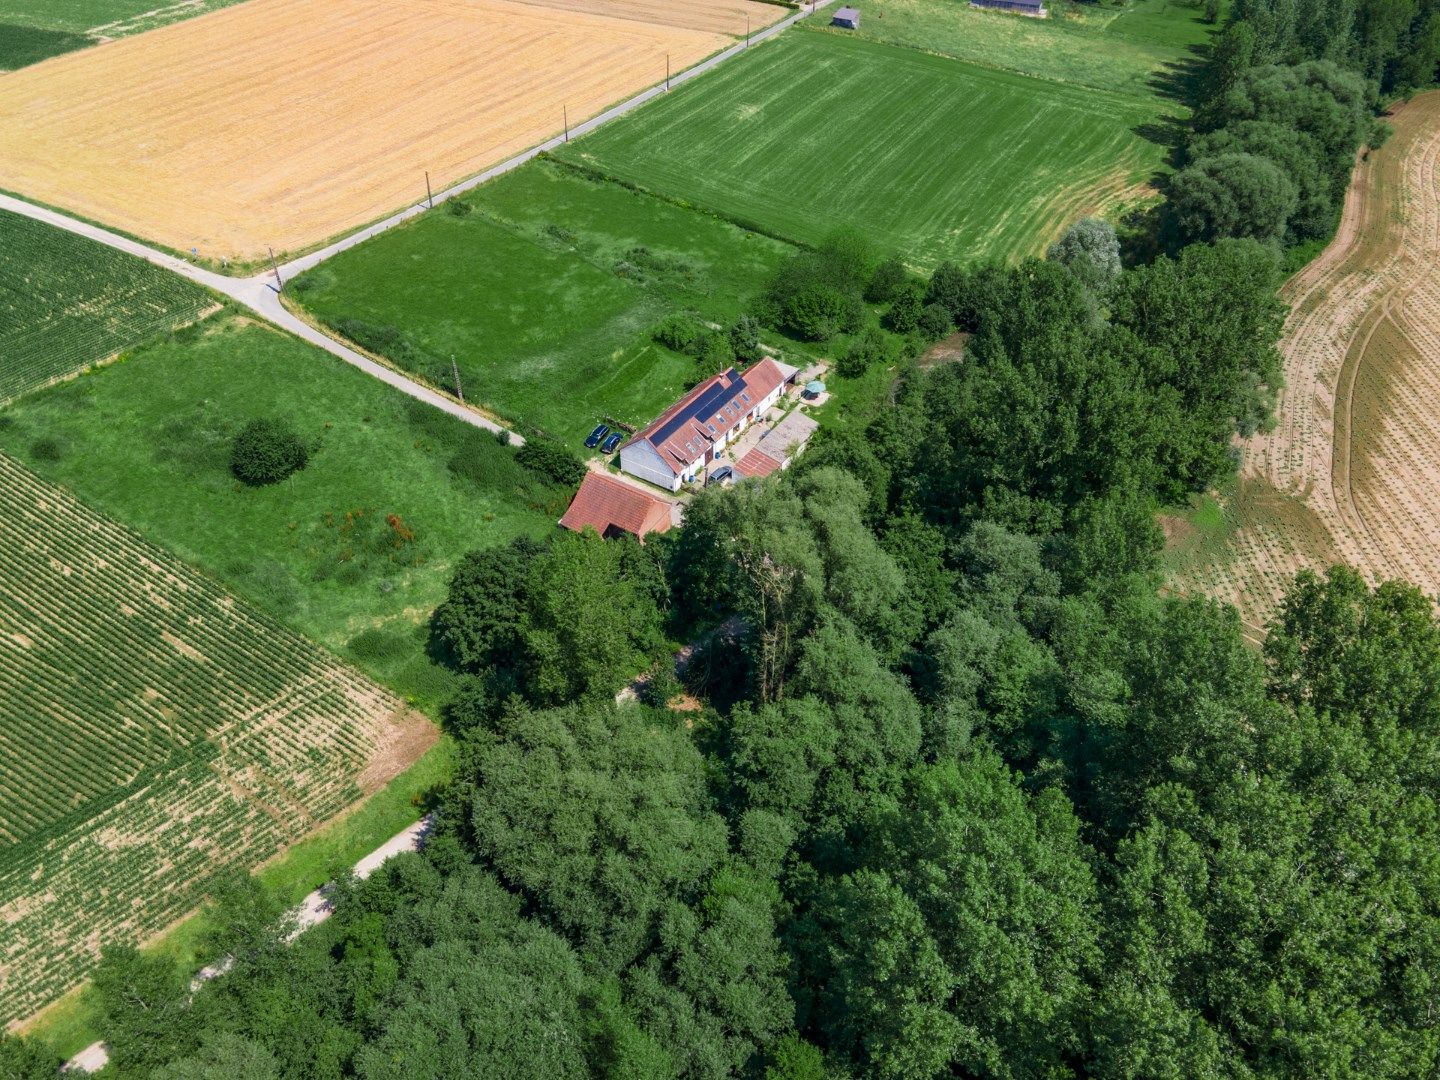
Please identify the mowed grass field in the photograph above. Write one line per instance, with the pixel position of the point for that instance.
(927, 156)
(281, 123)
(540, 297)
(1137, 49)
(153, 731)
(67, 302)
(147, 441)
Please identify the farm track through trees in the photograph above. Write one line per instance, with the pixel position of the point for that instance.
(1351, 472)
(153, 731)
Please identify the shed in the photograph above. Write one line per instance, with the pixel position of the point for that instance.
(848, 17)
(611, 506)
(1019, 7)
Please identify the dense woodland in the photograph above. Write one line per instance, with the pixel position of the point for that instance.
(966, 795)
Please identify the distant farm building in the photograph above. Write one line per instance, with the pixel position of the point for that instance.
(848, 17)
(675, 449)
(1020, 7)
(611, 506)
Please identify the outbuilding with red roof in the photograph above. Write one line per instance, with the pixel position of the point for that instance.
(611, 506)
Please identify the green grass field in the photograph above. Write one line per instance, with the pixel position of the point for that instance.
(147, 441)
(540, 298)
(1109, 48)
(928, 156)
(22, 45)
(67, 302)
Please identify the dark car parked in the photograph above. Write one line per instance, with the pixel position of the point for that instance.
(612, 442)
(596, 435)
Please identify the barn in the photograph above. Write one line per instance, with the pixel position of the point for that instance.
(1019, 7)
(848, 17)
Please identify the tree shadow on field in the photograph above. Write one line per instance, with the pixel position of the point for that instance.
(1179, 83)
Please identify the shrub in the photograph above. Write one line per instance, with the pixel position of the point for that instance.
(1090, 250)
(458, 207)
(265, 452)
(817, 312)
(745, 339)
(967, 294)
(642, 264)
(682, 332)
(869, 349)
(663, 685)
(47, 449)
(549, 459)
(934, 322)
(888, 281)
(904, 314)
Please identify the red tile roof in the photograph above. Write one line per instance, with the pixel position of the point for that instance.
(681, 434)
(606, 505)
(757, 464)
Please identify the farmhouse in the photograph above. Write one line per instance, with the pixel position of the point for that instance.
(611, 506)
(848, 17)
(675, 449)
(1020, 7)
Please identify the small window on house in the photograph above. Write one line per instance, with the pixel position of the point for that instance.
(745, 397)
(712, 428)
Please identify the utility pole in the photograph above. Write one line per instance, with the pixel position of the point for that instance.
(747, 31)
(279, 284)
(667, 73)
(429, 198)
(566, 109)
(455, 368)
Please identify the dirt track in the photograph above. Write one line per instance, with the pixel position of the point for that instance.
(1352, 470)
(284, 122)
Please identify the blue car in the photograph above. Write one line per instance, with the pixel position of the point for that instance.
(595, 436)
(612, 442)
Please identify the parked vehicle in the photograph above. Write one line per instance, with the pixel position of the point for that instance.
(612, 442)
(725, 476)
(595, 436)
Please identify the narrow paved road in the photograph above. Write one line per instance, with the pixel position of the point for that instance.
(314, 909)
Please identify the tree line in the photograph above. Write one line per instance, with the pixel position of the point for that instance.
(1286, 100)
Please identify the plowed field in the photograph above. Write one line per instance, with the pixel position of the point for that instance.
(284, 122)
(1352, 471)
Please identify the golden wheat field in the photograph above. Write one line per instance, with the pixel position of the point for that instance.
(280, 123)
(1351, 472)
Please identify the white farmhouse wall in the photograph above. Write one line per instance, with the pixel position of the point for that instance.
(641, 459)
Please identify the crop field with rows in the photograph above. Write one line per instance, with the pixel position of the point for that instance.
(67, 302)
(153, 730)
(1351, 472)
(928, 156)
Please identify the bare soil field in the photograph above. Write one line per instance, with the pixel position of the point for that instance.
(281, 123)
(1351, 472)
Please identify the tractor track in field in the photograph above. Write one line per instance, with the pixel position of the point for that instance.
(1351, 472)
